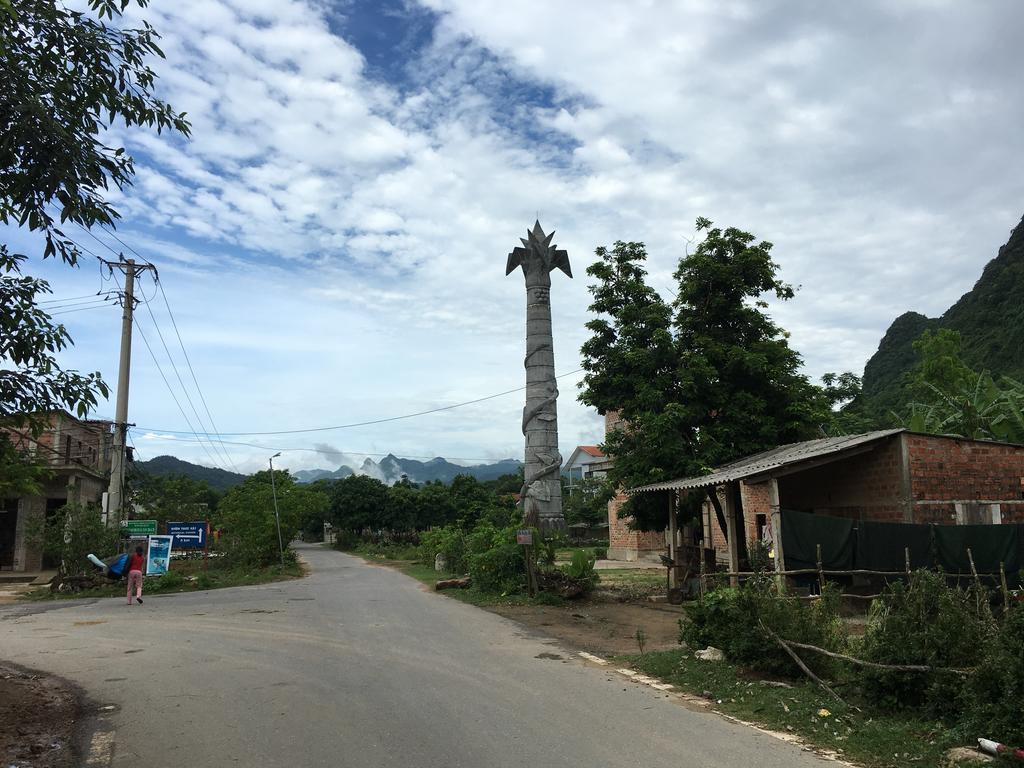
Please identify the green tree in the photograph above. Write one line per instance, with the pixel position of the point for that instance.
(175, 498)
(940, 365)
(587, 502)
(68, 74)
(246, 516)
(401, 510)
(20, 474)
(952, 399)
(358, 502)
(719, 383)
(71, 534)
(434, 505)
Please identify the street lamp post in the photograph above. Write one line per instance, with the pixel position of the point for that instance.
(277, 515)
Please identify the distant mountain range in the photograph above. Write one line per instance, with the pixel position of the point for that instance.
(389, 470)
(990, 321)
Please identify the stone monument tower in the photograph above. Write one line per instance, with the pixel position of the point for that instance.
(542, 490)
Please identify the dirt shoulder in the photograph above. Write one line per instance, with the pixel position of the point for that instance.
(603, 628)
(38, 717)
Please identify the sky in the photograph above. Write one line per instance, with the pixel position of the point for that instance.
(332, 238)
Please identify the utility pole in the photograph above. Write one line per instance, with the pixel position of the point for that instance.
(277, 515)
(115, 491)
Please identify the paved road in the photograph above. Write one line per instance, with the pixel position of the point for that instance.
(359, 666)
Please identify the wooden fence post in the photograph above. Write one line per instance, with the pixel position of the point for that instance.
(776, 510)
(906, 557)
(1006, 591)
(672, 552)
(821, 570)
(731, 534)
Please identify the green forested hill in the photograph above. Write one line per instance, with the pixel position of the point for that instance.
(989, 317)
(218, 479)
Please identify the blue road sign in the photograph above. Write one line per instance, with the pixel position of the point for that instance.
(188, 535)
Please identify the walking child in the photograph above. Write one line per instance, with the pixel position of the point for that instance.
(136, 565)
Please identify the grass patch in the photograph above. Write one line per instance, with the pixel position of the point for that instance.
(183, 576)
(869, 738)
(425, 573)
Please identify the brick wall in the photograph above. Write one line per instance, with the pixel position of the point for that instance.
(624, 544)
(865, 486)
(946, 469)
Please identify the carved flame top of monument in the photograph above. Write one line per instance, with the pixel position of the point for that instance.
(538, 252)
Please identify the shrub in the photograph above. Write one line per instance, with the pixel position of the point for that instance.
(729, 619)
(581, 566)
(345, 539)
(996, 690)
(495, 560)
(927, 622)
(449, 541)
(600, 553)
(70, 534)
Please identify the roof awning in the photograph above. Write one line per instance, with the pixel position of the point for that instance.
(775, 461)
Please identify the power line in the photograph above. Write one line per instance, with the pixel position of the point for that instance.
(177, 374)
(80, 309)
(74, 299)
(195, 380)
(362, 423)
(191, 370)
(171, 391)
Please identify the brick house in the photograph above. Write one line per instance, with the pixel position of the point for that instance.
(77, 453)
(892, 476)
(623, 542)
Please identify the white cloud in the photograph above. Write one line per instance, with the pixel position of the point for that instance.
(335, 245)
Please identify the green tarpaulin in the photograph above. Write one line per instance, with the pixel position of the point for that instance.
(802, 532)
(882, 546)
(848, 544)
(989, 545)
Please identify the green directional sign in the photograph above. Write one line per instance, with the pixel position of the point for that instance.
(139, 527)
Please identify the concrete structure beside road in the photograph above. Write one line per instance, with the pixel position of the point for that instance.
(77, 454)
(891, 476)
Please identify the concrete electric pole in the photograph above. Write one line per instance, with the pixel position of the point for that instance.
(115, 491)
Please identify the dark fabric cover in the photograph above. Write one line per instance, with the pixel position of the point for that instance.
(117, 564)
(802, 532)
(989, 544)
(881, 546)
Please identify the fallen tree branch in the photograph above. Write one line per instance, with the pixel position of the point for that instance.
(876, 665)
(799, 662)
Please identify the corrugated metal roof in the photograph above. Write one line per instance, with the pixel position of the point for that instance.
(766, 461)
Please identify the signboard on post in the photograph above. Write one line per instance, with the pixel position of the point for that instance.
(524, 537)
(188, 535)
(139, 529)
(159, 556)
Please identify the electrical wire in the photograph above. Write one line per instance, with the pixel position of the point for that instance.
(80, 309)
(191, 370)
(177, 374)
(361, 423)
(74, 299)
(171, 391)
(219, 435)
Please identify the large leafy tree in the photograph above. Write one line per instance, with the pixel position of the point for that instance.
(358, 502)
(68, 75)
(246, 515)
(172, 498)
(702, 382)
(952, 399)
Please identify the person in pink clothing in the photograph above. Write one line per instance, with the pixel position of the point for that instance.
(136, 565)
